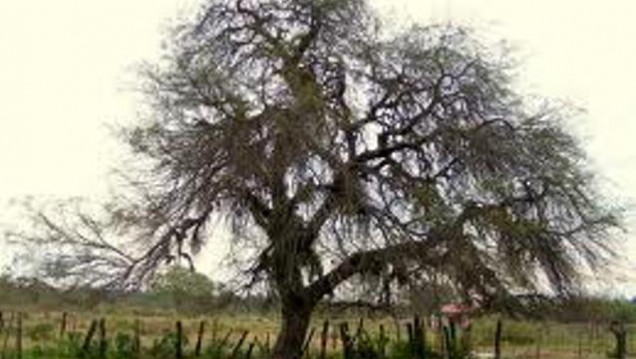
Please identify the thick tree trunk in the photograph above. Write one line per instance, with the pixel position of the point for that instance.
(295, 321)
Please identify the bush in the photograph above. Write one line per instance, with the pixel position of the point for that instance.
(124, 346)
(164, 347)
(41, 331)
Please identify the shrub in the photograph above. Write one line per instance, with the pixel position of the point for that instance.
(41, 331)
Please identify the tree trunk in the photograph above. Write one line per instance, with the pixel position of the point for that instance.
(295, 321)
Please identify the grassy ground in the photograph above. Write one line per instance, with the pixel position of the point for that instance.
(41, 335)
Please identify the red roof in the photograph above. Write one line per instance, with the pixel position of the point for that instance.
(455, 308)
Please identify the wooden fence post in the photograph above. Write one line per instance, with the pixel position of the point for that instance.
(89, 337)
(334, 339)
(197, 349)
(498, 339)
(225, 339)
(7, 335)
(238, 345)
(347, 345)
(440, 334)
(539, 340)
(248, 354)
(179, 341)
(102, 338)
(409, 332)
(267, 344)
(446, 343)
(382, 343)
(63, 325)
(305, 347)
(323, 339)
(18, 338)
(453, 335)
(360, 329)
(418, 338)
(618, 329)
(137, 339)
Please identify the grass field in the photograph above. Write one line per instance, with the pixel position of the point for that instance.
(128, 334)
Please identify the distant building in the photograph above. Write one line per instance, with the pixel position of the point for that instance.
(457, 313)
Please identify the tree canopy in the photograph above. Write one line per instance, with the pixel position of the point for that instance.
(335, 149)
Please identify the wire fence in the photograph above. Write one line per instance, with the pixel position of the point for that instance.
(67, 335)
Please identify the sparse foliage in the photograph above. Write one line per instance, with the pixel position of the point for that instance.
(335, 150)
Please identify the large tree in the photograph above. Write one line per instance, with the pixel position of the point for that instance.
(338, 150)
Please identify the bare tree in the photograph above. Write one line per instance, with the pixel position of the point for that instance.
(338, 150)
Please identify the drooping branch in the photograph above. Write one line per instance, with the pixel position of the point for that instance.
(368, 261)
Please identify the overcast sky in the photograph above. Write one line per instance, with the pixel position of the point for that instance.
(66, 72)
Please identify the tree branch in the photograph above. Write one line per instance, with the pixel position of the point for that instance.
(365, 261)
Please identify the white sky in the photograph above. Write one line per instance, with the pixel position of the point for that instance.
(65, 73)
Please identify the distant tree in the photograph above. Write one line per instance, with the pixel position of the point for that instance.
(185, 287)
(336, 150)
